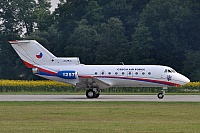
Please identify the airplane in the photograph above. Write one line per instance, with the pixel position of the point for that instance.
(94, 77)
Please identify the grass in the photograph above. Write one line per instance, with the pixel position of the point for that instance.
(99, 117)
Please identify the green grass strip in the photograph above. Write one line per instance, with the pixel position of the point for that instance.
(99, 117)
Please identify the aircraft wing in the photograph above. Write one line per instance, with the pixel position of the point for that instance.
(91, 82)
(101, 84)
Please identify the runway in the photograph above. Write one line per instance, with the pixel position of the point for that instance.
(150, 98)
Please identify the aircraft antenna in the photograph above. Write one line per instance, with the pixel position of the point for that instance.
(122, 63)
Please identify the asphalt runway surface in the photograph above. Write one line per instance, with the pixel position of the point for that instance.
(151, 98)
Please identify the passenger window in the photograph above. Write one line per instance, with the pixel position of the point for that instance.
(136, 73)
(95, 73)
(143, 73)
(123, 73)
(109, 73)
(129, 73)
(116, 73)
(102, 73)
(149, 73)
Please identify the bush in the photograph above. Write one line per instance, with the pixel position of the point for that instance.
(52, 86)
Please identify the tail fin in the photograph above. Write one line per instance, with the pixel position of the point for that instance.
(32, 53)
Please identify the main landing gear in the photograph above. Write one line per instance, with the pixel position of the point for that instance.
(93, 93)
(162, 93)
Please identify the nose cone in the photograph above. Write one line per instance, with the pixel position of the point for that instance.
(185, 80)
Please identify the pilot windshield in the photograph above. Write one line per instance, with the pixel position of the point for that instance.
(170, 71)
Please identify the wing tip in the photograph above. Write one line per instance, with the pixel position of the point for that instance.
(13, 41)
(19, 41)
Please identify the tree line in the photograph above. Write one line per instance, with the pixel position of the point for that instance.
(104, 32)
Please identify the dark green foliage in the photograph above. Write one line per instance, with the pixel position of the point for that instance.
(105, 32)
(192, 64)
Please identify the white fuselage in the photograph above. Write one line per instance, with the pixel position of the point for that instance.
(123, 75)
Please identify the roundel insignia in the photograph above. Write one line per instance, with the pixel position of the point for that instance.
(39, 55)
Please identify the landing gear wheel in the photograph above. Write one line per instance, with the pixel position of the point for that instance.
(96, 95)
(160, 95)
(90, 93)
(93, 93)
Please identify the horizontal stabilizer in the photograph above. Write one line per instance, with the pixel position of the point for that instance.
(20, 41)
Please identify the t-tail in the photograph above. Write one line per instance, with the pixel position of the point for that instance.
(34, 54)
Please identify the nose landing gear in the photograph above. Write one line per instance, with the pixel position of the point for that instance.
(162, 93)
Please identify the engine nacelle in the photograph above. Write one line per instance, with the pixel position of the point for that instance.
(68, 74)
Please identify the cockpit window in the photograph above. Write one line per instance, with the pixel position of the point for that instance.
(173, 70)
(170, 71)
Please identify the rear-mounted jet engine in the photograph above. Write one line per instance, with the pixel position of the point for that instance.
(68, 74)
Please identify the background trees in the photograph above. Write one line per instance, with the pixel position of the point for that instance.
(105, 32)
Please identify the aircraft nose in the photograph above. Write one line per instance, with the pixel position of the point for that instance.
(185, 80)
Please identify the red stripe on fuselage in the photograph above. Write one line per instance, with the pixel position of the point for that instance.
(136, 79)
(41, 69)
(29, 65)
(148, 80)
(85, 76)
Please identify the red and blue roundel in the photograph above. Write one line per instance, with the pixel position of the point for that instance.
(39, 55)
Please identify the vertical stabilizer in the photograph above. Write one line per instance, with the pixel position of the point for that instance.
(32, 53)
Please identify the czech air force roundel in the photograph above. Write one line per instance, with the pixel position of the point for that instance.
(39, 55)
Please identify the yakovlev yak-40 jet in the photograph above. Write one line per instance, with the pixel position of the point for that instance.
(94, 77)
